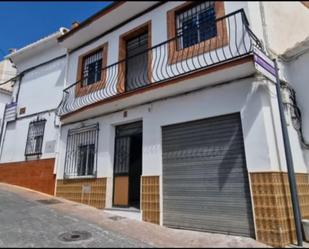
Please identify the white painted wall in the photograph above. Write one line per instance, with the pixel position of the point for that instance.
(239, 44)
(285, 24)
(40, 92)
(16, 137)
(38, 55)
(254, 98)
(5, 97)
(250, 97)
(41, 89)
(264, 106)
(297, 75)
(158, 18)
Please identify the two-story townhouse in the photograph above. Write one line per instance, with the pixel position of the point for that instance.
(30, 132)
(164, 113)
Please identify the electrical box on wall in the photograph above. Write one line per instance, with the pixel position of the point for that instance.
(22, 110)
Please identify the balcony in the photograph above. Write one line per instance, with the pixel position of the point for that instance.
(167, 61)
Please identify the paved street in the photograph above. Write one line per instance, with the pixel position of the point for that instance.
(27, 222)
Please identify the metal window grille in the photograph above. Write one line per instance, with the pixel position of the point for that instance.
(196, 24)
(123, 146)
(122, 157)
(35, 138)
(137, 66)
(92, 67)
(234, 40)
(81, 152)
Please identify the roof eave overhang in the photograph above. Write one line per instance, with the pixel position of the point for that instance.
(91, 19)
(36, 46)
(103, 21)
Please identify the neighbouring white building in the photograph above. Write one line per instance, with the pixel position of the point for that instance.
(164, 113)
(31, 127)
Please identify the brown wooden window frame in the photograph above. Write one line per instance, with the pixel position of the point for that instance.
(84, 90)
(220, 40)
(122, 53)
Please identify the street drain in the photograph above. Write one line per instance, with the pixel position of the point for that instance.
(74, 236)
(116, 218)
(49, 201)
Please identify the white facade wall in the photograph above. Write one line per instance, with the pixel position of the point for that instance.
(41, 89)
(40, 92)
(5, 97)
(257, 103)
(297, 75)
(298, 78)
(285, 24)
(158, 18)
(16, 137)
(38, 55)
(250, 97)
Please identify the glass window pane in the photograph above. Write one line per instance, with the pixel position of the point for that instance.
(35, 138)
(207, 24)
(91, 153)
(80, 159)
(196, 24)
(92, 68)
(82, 162)
(190, 32)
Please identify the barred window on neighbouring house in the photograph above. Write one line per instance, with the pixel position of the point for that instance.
(92, 68)
(81, 152)
(35, 138)
(196, 24)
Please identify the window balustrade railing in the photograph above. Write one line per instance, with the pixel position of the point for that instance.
(231, 38)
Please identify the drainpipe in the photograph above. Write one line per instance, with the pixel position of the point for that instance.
(286, 140)
(59, 125)
(269, 51)
(289, 162)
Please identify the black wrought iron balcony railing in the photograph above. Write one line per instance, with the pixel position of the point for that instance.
(229, 39)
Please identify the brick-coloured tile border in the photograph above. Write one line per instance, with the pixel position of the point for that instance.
(35, 174)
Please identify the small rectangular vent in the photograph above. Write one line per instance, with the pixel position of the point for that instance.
(22, 110)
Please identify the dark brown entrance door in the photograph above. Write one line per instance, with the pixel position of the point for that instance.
(128, 165)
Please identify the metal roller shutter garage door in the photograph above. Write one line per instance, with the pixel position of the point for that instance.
(205, 179)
